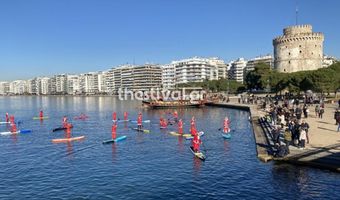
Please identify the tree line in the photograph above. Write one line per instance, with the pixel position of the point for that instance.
(263, 78)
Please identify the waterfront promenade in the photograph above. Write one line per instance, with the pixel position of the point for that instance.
(323, 149)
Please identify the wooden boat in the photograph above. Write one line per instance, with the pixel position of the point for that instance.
(173, 104)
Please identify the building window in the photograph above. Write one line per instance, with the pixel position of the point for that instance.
(289, 53)
(299, 45)
(286, 47)
(289, 62)
(300, 51)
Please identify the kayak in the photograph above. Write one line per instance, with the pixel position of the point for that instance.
(178, 134)
(4, 122)
(199, 155)
(60, 129)
(141, 130)
(226, 135)
(68, 139)
(40, 118)
(13, 133)
(163, 127)
(115, 140)
(201, 133)
(145, 121)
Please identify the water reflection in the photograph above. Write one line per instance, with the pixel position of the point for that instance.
(226, 146)
(114, 151)
(69, 150)
(180, 144)
(196, 165)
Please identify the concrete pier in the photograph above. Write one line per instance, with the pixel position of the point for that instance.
(323, 151)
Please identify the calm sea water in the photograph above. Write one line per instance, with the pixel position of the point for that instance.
(144, 166)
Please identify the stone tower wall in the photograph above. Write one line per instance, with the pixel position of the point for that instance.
(299, 49)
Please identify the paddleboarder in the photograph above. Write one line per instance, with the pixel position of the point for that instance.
(125, 116)
(65, 122)
(41, 114)
(114, 116)
(139, 121)
(163, 123)
(180, 127)
(226, 123)
(13, 128)
(7, 117)
(68, 130)
(193, 130)
(11, 119)
(196, 143)
(175, 115)
(114, 131)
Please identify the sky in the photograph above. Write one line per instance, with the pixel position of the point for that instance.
(48, 37)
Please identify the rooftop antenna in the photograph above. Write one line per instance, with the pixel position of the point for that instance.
(296, 12)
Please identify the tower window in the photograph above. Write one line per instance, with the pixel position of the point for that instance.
(315, 45)
(284, 70)
(289, 62)
(286, 47)
(299, 45)
(289, 53)
(300, 51)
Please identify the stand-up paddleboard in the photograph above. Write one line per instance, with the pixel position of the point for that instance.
(115, 140)
(68, 139)
(4, 122)
(141, 130)
(40, 118)
(13, 133)
(145, 121)
(226, 135)
(60, 129)
(199, 155)
(121, 120)
(201, 133)
(178, 134)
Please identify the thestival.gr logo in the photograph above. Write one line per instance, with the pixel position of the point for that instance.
(156, 94)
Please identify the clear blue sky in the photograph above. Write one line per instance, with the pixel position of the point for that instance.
(47, 37)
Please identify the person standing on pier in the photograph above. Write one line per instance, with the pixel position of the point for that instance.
(305, 126)
(139, 121)
(114, 131)
(321, 111)
(302, 138)
(180, 127)
(317, 109)
(337, 118)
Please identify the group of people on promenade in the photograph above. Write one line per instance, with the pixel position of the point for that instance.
(289, 120)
